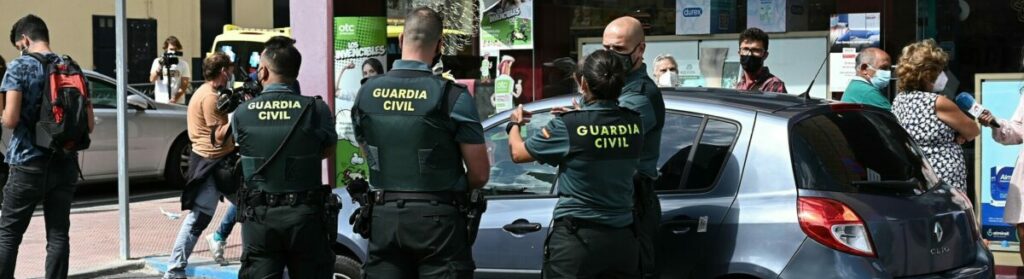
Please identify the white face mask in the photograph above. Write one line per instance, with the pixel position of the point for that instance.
(668, 79)
(940, 82)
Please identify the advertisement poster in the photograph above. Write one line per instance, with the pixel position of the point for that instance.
(849, 34)
(696, 17)
(769, 15)
(842, 67)
(359, 43)
(504, 85)
(857, 31)
(506, 24)
(997, 162)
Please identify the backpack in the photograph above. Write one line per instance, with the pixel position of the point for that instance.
(63, 125)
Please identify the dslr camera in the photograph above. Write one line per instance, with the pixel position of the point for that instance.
(229, 99)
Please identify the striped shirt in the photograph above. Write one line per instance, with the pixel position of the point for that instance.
(764, 81)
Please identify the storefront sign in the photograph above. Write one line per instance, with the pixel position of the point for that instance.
(506, 25)
(356, 40)
(504, 85)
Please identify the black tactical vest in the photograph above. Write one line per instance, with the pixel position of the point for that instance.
(261, 125)
(600, 135)
(406, 122)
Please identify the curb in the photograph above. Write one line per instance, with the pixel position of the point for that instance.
(197, 267)
(109, 270)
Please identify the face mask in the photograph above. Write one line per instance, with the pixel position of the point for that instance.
(751, 64)
(940, 83)
(669, 79)
(881, 78)
(627, 58)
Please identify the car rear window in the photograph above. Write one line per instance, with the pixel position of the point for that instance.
(858, 152)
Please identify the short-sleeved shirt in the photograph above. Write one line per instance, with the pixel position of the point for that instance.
(467, 122)
(26, 75)
(860, 91)
(600, 191)
(642, 95)
(202, 117)
(178, 71)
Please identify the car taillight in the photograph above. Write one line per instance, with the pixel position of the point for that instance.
(835, 225)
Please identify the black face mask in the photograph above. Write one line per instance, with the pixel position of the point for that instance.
(627, 58)
(751, 64)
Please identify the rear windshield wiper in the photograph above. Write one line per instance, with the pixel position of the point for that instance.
(910, 186)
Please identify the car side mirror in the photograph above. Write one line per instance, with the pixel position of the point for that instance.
(137, 102)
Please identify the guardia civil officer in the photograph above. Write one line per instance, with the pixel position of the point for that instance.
(625, 38)
(596, 148)
(417, 130)
(282, 138)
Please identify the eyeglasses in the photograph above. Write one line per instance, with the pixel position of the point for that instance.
(752, 51)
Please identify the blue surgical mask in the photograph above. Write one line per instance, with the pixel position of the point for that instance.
(881, 78)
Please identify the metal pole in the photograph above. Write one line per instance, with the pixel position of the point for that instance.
(122, 143)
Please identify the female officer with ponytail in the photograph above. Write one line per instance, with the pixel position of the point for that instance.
(596, 148)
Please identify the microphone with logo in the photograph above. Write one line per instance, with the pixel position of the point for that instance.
(967, 103)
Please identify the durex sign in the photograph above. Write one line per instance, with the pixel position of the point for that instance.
(693, 12)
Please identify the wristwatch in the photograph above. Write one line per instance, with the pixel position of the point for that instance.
(508, 127)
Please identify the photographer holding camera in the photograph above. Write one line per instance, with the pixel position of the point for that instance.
(170, 66)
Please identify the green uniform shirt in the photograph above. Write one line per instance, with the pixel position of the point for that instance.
(862, 92)
(641, 95)
(261, 124)
(595, 190)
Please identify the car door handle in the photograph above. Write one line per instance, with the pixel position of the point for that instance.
(521, 226)
(680, 227)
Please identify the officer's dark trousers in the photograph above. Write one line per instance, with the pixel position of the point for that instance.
(418, 240)
(46, 180)
(648, 210)
(591, 251)
(291, 236)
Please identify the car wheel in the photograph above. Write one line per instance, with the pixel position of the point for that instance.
(346, 268)
(177, 161)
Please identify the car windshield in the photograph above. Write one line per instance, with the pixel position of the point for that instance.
(243, 53)
(858, 152)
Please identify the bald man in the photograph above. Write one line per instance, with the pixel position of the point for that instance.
(424, 157)
(873, 75)
(625, 37)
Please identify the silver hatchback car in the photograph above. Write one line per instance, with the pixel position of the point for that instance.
(754, 185)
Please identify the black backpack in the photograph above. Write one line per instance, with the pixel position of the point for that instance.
(63, 125)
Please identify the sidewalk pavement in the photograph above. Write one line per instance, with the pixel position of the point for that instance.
(95, 243)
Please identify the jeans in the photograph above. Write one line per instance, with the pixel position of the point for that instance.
(191, 229)
(52, 182)
(227, 223)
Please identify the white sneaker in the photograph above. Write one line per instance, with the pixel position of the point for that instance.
(217, 248)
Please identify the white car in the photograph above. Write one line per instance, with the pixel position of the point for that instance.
(158, 144)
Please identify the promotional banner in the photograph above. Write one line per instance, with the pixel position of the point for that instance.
(506, 24)
(359, 46)
(997, 161)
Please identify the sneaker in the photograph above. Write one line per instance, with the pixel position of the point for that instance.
(217, 248)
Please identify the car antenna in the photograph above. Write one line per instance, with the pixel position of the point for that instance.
(807, 93)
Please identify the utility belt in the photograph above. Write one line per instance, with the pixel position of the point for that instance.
(449, 198)
(575, 224)
(472, 205)
(329, 204)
